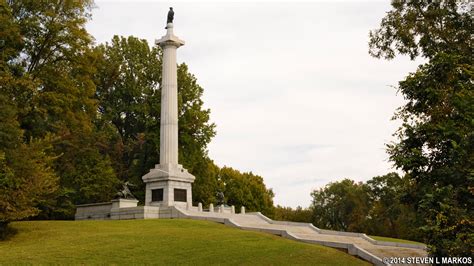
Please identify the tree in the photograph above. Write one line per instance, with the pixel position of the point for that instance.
(295, 215)
(26, 177)
(436, 140)
(54, 52)
(246, 189)
(206, 184)
(376, 207)
(388, 215)
(128, 95)
(48, 71)
(423, 28)
(340, 206)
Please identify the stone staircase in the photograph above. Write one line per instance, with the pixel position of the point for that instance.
(355, 243)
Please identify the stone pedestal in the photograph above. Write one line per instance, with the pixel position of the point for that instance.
(169, 184)
(165, 185)
(124, 203)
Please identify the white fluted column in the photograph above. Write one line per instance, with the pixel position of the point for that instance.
(169, 99)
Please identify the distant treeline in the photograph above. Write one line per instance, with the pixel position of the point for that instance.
(379, 206)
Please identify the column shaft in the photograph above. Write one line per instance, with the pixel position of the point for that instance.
(169, 108)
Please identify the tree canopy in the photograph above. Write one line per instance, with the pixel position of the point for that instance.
(375, 207)
(435, 144)
(340, 206)
(246, 189)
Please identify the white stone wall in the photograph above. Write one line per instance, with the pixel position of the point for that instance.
(96, 211)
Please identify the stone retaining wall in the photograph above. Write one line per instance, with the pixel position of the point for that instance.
(95, 211)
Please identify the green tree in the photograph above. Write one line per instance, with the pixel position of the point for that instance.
(129, 106)
(55, 54)
(246, 189)
(388, 214)
(423, 28)
(340, 206)
(26, 177)
(48, 72)
(436, 140)
(295, 215)
(377, 207)
(206, 184)
(195, 133)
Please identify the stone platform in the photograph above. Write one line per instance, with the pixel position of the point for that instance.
(123, 209)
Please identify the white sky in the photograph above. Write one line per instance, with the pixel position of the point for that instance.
(294, 93)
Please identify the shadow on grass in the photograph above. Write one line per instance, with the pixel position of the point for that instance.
(6, 232)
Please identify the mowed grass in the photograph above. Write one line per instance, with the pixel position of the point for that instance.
(164, 241)
(389, 239)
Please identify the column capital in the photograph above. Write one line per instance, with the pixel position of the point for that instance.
(169, 38)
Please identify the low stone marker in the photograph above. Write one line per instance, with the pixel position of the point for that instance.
(211, 207)
(199, 207)
(242, 210)
(232, 209)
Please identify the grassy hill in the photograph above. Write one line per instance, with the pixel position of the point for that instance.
(157, 242)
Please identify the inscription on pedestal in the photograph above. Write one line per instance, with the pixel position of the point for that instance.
(180, 195)
(157, 194)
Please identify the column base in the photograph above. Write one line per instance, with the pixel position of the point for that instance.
(168, 185)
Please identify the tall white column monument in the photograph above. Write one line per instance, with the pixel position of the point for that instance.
(169, 184)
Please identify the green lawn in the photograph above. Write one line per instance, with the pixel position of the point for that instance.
(389, 239)
(158, 242)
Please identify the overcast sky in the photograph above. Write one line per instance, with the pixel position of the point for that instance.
(291, 87)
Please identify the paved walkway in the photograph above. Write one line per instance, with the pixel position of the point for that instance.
(306, 233)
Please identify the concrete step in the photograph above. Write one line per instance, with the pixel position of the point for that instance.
(373, 252)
